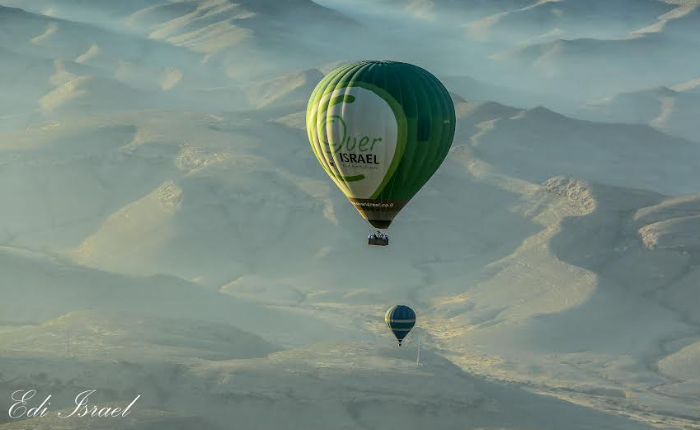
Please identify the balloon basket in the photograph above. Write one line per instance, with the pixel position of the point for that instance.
(378, 241)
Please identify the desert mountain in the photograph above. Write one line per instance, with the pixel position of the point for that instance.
(161, 209)
(516, 144)
(646, 57)
(40, 289)
(109, 335)
(326, 384)
(673, 112)
(217, 33)
(144, 419)
(566, 19)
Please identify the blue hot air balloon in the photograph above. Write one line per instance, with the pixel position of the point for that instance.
(400, 319)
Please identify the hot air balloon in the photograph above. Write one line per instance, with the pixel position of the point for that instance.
(380, 129)
(400, 319)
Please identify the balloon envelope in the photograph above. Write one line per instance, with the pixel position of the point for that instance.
(400, 319)
(380, 129)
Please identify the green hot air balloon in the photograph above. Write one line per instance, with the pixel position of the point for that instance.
(380, 129)
(400, 319)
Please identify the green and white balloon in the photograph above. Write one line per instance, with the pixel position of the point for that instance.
(380, 129)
